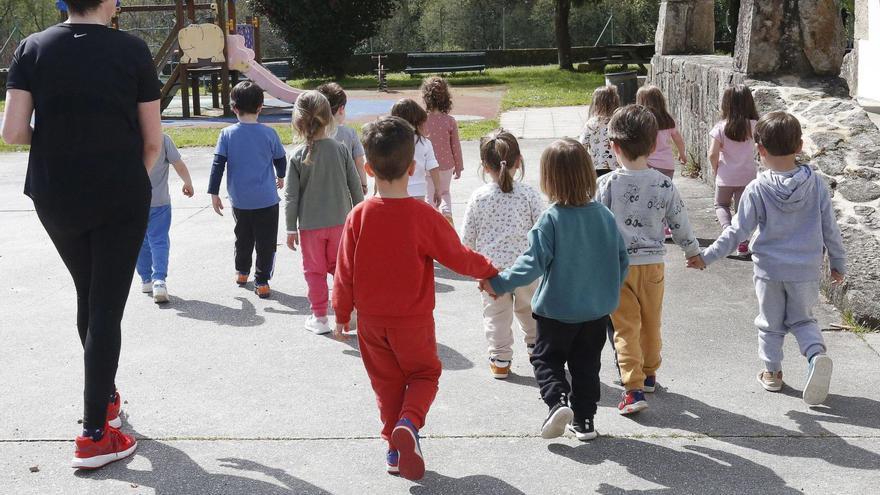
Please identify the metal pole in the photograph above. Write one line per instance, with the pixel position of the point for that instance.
(503, 28)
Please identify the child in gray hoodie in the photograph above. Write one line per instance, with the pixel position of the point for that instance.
(790, 207)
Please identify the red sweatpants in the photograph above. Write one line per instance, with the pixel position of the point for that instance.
(404, 369)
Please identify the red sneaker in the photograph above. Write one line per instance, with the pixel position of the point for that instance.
(113, 409)
(113, 446)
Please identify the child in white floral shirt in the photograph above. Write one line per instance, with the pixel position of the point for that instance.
(595, 134)
(497, 222)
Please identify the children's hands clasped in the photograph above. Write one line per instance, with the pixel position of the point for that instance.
(486, 287)
(340, 331)
(696, 262)
(279, 183)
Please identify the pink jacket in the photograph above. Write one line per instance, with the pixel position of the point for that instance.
(442, 130)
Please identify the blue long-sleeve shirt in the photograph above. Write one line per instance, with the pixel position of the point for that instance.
(582, 257)
(793, 216)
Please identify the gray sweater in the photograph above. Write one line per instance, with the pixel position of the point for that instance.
(320, 194)
(641, 200)
(793, 216)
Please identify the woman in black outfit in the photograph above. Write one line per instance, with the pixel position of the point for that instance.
(94, 94)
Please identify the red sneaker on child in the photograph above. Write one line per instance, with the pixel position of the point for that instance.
(113, 446)
(113, 409)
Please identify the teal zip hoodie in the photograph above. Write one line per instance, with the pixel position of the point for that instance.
(583, 259)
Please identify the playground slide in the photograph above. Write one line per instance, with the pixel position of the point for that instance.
(241, 58)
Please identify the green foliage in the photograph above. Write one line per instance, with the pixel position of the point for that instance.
(323, 34)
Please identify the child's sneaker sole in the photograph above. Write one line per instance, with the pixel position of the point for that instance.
(768, 386)
(584, 437)
(100, 461)
(633, 408)
(819, 380)
(555, 425)
(411, 464)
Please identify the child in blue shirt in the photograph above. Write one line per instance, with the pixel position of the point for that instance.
(578, 249)
(256, 162)
(152, 263)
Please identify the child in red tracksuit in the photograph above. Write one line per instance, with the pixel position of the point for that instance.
(386, 270)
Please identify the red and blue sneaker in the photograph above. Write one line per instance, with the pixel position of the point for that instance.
(632, 402)
(405, 437)
(113, 409)
(650, 384)
(392, 461)
(113, 446)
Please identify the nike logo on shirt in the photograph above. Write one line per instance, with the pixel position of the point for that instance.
(79, 35)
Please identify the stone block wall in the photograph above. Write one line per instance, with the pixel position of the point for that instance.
(840, 141)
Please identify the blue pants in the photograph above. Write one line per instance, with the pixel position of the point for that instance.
(786, 307)
(152, 262)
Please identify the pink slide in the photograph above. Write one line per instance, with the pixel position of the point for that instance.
(241, 59)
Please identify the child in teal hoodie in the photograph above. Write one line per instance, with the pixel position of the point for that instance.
(578, 249)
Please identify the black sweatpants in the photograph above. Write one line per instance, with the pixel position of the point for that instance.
(578, 344)
(100, 250)
(256, 229)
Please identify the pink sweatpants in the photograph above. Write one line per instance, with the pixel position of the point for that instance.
(445, 205)
(319, 249)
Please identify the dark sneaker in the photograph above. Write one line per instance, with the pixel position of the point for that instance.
(405, 437)
(392, 462)
(632, 402)
(262, 291)
(584, 429)
(560, 415)
(818, 380)
(650, 384)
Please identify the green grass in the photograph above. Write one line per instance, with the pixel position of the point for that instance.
(855, 326)
(538, 86)
(471, 131)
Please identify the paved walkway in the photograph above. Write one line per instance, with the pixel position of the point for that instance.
(230, 395)
(545, 123)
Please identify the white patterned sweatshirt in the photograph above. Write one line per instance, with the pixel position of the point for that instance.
(595, 138)
(496, 224)
(641, 201)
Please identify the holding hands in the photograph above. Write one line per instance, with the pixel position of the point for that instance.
(340, 331)
(696, 262)
(279, 182)
(486, 287)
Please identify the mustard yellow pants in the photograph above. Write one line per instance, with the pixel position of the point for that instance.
(637, 324)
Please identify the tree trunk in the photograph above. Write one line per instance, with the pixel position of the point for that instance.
(563, 38)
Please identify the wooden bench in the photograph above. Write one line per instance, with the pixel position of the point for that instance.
(444, 62)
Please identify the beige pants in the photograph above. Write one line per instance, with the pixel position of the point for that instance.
(498, 320)
(637, 324)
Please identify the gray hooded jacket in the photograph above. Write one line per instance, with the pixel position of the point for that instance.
(793, 216)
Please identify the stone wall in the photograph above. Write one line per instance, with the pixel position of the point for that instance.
(839, 140)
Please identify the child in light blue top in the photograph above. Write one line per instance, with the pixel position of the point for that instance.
(578, 249)
(790, 207)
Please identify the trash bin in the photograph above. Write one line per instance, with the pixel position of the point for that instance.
(627, 84)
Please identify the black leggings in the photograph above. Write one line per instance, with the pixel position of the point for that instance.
(579, 345)
(100, 251)
(256, 229)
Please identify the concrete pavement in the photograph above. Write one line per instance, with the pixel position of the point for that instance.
(545, 123)
(230, 395)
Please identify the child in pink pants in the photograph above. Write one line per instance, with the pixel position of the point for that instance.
(442, 129)
(322, 188)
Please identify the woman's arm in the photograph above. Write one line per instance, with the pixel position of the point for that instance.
(150, 119)
(17, 121)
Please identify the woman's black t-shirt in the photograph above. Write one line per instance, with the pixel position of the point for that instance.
(86, 82)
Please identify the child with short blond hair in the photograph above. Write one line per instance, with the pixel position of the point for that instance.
(642, 200)
(595, 134)
(322, 187)
(576, 247)
(442, 129)
(497, 222)
(386, 271)
(790, 207)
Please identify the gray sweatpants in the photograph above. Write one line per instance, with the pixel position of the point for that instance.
(786, 307)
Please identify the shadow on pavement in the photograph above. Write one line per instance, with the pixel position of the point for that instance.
(695, 470)
(437, 484)
(441, 271)
(297, 305)
(451, 359)
(675, 411)
(442, 288)
(174, 472)
(222, 315)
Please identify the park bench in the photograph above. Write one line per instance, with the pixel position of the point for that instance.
(444, 62)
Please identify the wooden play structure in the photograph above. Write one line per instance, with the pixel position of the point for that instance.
(218, 52)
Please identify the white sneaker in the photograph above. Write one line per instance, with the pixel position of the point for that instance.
(147, 287)
(818, 380)
(318, 326)
(160, 292)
